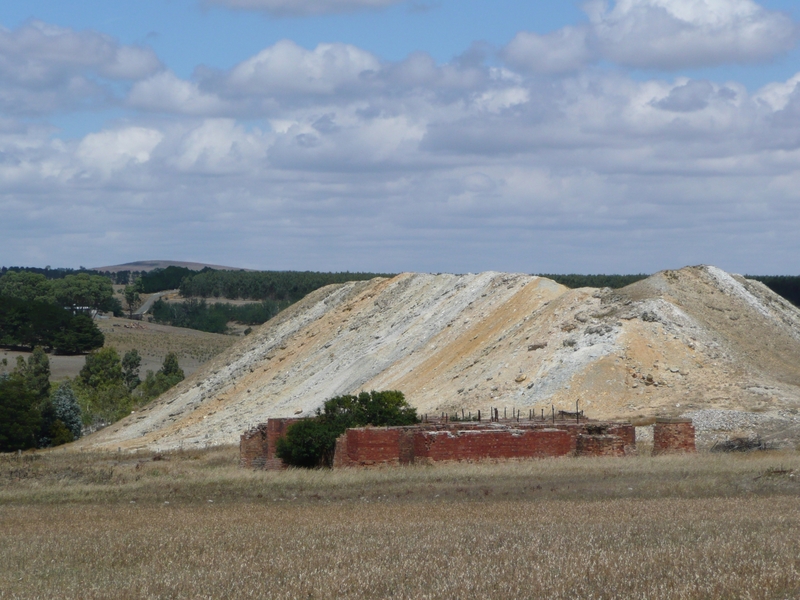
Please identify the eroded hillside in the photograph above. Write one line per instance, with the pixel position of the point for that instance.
(677, 341)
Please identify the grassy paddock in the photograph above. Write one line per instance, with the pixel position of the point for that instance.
(196, 526)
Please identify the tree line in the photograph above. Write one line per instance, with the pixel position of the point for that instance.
(214, 318)
(119, 277)
(53, 313)
(33, 414)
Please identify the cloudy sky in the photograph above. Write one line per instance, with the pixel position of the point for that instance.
(392, 135)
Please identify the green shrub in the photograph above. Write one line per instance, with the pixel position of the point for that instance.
(311, 442)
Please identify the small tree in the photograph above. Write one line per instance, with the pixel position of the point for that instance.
(170, 367)
(130, 369)
(169, 375)
(102, 394)
(19, 418)
(312, 442)
(102, 368)
(67, 409)
(132, 299)
(36, 373)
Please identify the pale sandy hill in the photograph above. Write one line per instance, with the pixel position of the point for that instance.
(697, 338)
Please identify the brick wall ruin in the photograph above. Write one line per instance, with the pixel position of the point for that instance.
(673, 435)
(477, 444)
(600, 445)
(257, 445)
(435, 442)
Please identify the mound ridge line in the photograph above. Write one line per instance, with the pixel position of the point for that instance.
(690, 339)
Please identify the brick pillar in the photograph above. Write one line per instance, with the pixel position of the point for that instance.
(673, 435)
(253, 447)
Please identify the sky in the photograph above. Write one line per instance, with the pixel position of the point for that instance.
(626, 136)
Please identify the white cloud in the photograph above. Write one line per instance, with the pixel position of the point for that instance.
(45, 68)
(297, 8)
(662, 34)
(672, 34)
(113, 150)
(38, 53)
(219, 146)
(164, 92)
(562, 51)
(287, 68)
(369, 164)
(777, 95)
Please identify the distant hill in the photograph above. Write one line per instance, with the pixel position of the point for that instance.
(150, 265)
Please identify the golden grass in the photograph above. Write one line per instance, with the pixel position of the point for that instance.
(196, 526)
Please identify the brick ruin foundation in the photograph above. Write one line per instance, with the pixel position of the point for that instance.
(673, 435)
(257, 445)
(469, 441)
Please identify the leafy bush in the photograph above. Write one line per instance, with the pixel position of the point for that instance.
(311, 442)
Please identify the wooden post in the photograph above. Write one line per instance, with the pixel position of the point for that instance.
(553, 408)
(479, 415)
(577, 414)
(505, 413)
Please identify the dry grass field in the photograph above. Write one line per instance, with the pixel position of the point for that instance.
(194, 525)
(153, 341)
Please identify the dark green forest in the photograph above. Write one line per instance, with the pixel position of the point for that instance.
(574, 280)
(26, 324)
(214, 318)
(264, 285)
(160, 280)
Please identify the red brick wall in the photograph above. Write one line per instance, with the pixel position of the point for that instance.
(600, 445)
(371, 446)
(673, 435)
(437, 446)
